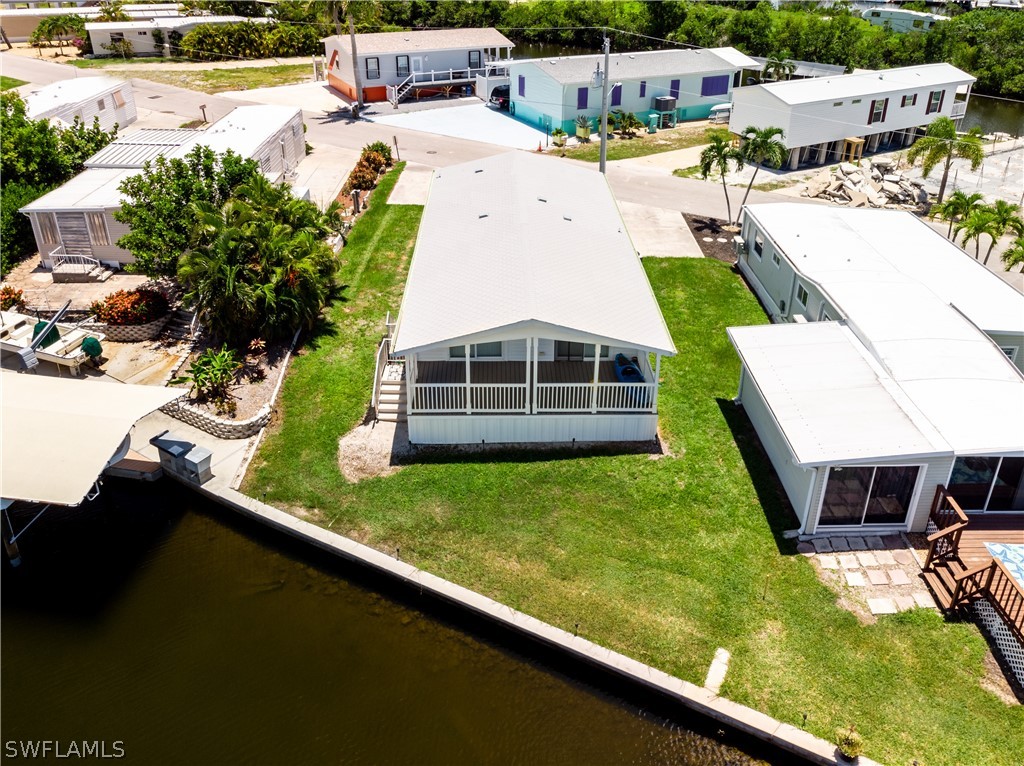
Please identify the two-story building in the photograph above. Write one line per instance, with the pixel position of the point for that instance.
(668, 85)
(826, 119)
(393, 65)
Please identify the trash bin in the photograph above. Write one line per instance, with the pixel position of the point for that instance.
(652, 124)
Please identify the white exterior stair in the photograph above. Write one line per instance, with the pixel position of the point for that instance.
(391, 403)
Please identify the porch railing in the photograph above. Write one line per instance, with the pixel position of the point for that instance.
(69, 262)
(959, 109)
(950, 522)
(483, 397)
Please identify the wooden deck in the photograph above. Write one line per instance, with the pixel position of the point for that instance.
(989, 528)
(513, 372)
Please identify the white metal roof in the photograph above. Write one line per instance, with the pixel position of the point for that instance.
(371, 43)
(135, 149)
(57, 95)
(807, 68)
(865, 83)
(171, 22)
(835, 246)
(242, 131)
(526, 244)
(634, 66)
(92, 189)
(57, 434)
(134, 10)
(831, 401)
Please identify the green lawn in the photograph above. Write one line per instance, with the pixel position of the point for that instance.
(212, 80)
(643, 144)
(6, 83)
(664, 560)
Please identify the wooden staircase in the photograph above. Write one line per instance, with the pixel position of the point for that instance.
(953, 584)
(391, 402)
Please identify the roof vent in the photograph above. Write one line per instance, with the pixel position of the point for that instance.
(483, 215)
(481, 170)
(541, 199)
(566, 218)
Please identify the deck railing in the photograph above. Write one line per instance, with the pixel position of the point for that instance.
(439, 398)
(1006, 595)
(959, 109)
(950, 522)
(69, 262)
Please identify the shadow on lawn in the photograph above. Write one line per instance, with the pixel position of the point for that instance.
(526, 453)
(770, 494)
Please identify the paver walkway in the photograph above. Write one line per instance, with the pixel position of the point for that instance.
(875, 574)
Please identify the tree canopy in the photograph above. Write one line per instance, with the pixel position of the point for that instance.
(159, 204)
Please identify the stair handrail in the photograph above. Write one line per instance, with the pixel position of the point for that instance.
(1006, 595)
(83, 262)
(950, 521)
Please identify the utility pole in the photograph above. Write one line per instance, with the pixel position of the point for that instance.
(604, 103)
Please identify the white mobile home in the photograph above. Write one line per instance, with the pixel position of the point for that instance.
(19, 23)
(802, 259)
(829, 118)
(143, 34)
(74, 222)
(426, 61)
(900, 20)
(110, 100)
(881, 387)
(673, 85)
(527, 316)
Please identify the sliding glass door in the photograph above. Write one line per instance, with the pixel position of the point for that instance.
(867, 495)
(988, 483)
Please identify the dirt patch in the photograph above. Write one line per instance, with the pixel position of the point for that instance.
(254, 383)
(995, 681)
(373, 449)
(714, 237)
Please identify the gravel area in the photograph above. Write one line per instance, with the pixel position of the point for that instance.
(253, 385)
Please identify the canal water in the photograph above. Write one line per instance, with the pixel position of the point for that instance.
(160, 621)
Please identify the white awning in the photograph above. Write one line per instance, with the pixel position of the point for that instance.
(57, 434)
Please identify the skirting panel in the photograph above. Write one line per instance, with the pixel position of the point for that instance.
(510, 429)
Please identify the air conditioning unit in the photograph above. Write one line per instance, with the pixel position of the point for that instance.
(740, 245)
(663, 104)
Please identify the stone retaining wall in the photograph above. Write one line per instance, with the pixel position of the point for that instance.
(222, 428)
(131, 333)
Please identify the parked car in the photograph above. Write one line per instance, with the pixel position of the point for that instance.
(500, 97)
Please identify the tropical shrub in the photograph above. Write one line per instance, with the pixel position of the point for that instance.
(376, 162)
(16, 237)
(849, 742)
(122, 48)
(381, 148)
(129, 307)
(211, 373)
(11, 298)
(362, 177)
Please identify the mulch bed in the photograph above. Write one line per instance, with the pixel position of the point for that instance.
(714, 229)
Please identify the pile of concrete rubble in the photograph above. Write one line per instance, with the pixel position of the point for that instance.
(874, 183)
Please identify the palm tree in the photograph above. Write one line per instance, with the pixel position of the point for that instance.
(1014, 254)
(778, 68)
(1006, 217)
(717, 156)
(956, 208)
(762, 148)
(980, 222)
(941, 144)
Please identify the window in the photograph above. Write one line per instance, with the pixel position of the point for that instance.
(373, 68)
(710, 86)
(1010, 351)
(101, 104)
(935, 99)
(476, 350)
(758, 245)
(856, 101)
(581, 97)
(617, 95)
(474, 59)
(878, 109)
(673, 89)
(876, 14)
(97, 229)
(643, 88)
(565, 349)
(856, 495)
(47, 227)
(824, 316)
(402, 66)
(801, 295)
(837, 103)
(776, 260)
(522, 86)
(918, 23)
(117, 37)
(736, 80)
(143, 33)
(118, 99)
(988, 483)
(909, 100)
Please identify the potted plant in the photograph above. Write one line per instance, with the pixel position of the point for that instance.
(583, 127)
(558, 136)
(849, 744)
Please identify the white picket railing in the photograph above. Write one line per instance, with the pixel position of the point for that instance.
(550, 397)
(70, 262)
(959, 109)
(498, 397)
(438, 397)
(625, 397)
(564, 397)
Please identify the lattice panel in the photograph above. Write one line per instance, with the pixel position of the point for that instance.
(1010, 648)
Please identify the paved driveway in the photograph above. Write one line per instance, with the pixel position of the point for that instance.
(476, 122)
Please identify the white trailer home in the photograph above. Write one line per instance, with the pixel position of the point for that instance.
(891, 373)
(394, 65)
(527, 316)
(19, 23)
(74, 225)
(110, 100)
(826, 119)
(142, 33)
(801, 259)
(671, 85)
(900, 20)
